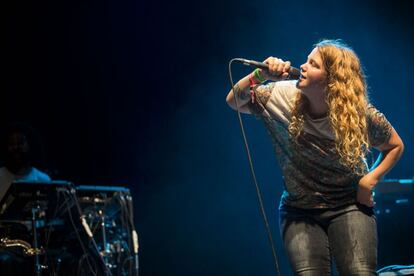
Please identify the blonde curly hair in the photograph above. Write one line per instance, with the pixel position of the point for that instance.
(347, 99)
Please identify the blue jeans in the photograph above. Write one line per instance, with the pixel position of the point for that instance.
(346, 234)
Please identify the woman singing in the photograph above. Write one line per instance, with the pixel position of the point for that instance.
(322, 127)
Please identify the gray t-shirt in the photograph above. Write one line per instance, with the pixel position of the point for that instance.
(313, 175)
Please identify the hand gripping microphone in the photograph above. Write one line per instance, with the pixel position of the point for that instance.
(294, 73)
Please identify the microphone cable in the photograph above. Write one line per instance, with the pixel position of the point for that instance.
(258, 191)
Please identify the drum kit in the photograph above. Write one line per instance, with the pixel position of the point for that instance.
(63, 229)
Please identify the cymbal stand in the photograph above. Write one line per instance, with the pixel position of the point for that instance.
(106, 249)
(36, 213)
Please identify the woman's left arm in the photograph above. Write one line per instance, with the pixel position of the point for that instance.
(391, 152)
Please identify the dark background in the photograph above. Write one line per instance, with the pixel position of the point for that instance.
(132, 93)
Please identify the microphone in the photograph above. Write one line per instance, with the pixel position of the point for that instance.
(294, 73)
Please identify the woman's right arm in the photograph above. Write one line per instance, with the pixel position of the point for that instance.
(242, 90)
(278, 70)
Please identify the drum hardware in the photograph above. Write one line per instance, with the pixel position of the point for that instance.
(27, 249)
(38, 211)
(110, 243)
(108, 210)
(28, 202)
(45, 208)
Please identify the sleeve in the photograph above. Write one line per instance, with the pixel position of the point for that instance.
(262, 95)
(379, 129)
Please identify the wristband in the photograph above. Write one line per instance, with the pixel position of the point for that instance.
(258, 76)
(252, 84)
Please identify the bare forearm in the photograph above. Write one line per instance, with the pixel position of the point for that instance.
(242, 91)
(391, 151)
(388, 159)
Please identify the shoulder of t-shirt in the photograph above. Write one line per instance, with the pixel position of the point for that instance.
(41, 176)
(285, 91)
(4, 173)
(290, 84)
(281, 93)
(379, 128)
(373, 112)
(371, 108)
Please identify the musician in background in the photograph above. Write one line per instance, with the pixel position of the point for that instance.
(20, 148)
